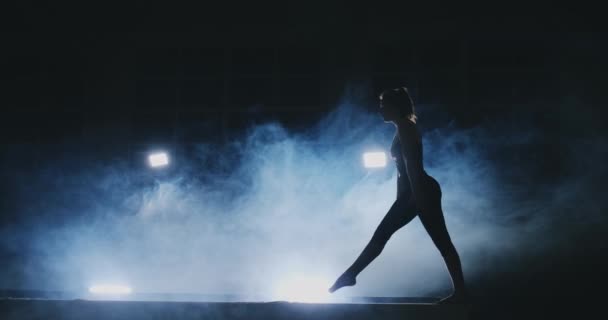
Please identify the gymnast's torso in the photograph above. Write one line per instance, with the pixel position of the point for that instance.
(404, 188)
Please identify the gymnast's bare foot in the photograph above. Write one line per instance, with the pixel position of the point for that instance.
(345, 280)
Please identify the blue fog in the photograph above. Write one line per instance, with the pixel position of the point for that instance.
(273, 204)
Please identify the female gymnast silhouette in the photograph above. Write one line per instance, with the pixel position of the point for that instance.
(417, 194)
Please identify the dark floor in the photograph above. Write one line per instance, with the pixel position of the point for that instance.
(85, 309)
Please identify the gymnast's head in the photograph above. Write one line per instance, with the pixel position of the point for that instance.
(396, 104)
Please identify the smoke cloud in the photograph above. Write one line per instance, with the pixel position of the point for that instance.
(273, 204)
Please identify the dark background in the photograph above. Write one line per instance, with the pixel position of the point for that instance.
(114, 78)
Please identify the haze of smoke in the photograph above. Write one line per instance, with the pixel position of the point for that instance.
(283, 204)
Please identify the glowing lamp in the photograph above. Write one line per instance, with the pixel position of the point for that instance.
(159, 159)
(110, 289)
(374, 159)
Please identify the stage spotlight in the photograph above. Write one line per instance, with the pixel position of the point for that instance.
(159, 159)
(374, 159)
(303, 289)
(110, 289)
